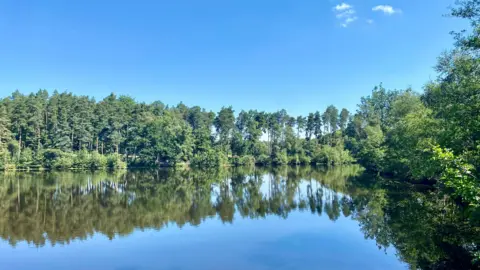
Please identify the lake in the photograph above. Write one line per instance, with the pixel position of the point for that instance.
(258, 218)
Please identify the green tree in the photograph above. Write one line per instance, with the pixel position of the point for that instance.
(317, 130)
(224, 124)
(343, 119)
(169, 140)
(301, 122)
(310, 128)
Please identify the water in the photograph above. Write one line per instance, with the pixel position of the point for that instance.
(286, 218)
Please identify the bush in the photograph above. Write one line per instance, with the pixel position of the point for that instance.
(26, 157)
(63, 162)
(304, 159)
(114, 161)
(247, 160)
(57, 159)
(234, 160)
(329, 155)
(97, 161)
(5, 161)
(209, 159)
(280, 158)
(263, 160)
(9, 167)
(81, 160)
(294, 160)
(49, 157)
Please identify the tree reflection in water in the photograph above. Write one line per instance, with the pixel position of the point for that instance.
(427, 229)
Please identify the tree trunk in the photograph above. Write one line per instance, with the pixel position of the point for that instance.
(19, 144)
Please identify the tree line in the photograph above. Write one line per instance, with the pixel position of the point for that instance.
(63, 130)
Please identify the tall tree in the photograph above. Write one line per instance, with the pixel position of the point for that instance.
(224, 124)
(5, 134)
(332, 118)
(317, 130)
(301, 122)
(343, 119)
(310, 126)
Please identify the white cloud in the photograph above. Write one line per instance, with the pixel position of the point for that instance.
(345, 13)
(349, 21)
(370, 21)
(389, 10)
(342, 6)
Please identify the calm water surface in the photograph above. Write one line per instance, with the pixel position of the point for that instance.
(287, 218)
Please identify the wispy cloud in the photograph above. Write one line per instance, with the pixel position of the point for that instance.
(370, 21)
(342, 6)
(389, 10)
(345, 13)
(348, 21)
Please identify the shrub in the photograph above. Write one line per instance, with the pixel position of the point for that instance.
(63, 162)
(304, 159)
(57, 159)
(247, 160)
(329, 155)
(81, 160)
(50, 156)
(26, 157)
(114, 161)
(294, 160)
(209, 159)
(262, 160)
(9, 167)
(97, 161)
(5, 161)
(280, 158)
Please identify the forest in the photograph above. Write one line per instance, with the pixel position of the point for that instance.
(433, 135)
(68, 131)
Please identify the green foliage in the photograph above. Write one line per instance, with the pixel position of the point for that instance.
(170, 140)
(329, 155)
(97, 161)
(64, 161)
(263, 160)
(51, 157)
(304, 159)
(114, 161)
(26, 157)
(57, 159)
(209, 159)
(459, 175)
(434, 135)
(371, 151)
(280, 158)
(246, 160)
(294, 160)
(81, 160)
(63, 130)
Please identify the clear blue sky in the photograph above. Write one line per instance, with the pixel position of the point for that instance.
(264, 54)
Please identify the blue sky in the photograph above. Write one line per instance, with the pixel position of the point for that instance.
(268, 55)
